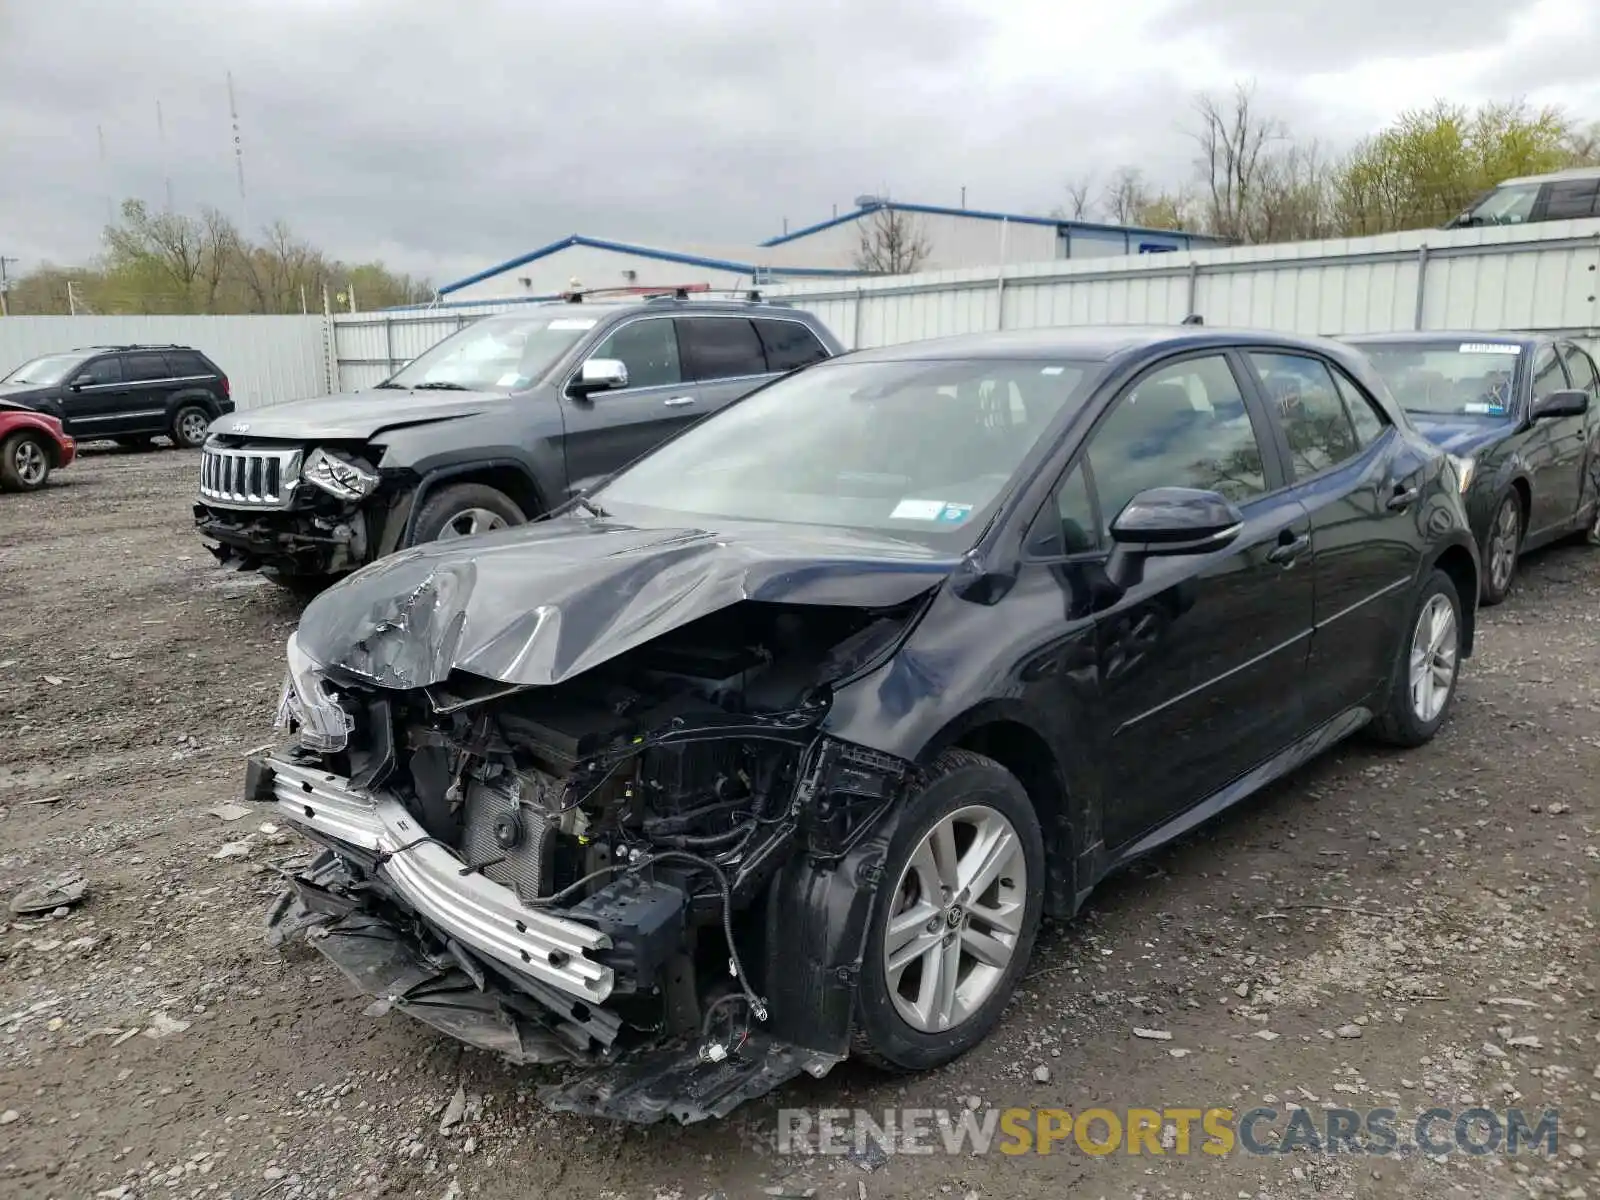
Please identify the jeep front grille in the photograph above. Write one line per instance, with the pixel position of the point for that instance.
(249, 478)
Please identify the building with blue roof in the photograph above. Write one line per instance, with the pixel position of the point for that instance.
(827, 250)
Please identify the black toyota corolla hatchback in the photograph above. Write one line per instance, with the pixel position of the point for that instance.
(775, 748)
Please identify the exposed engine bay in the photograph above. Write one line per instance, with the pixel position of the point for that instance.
(612, 870)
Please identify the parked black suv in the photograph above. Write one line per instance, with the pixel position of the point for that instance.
(125, 394)
(499, 423)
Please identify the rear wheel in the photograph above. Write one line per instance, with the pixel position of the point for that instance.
(189, 427)
(1424, 686)
(954, 923)
(24, 463)
(464, 510)
(1501, 546)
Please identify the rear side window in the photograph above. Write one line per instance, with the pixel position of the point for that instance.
(1368, 419)
(1547, 373)
(1581, 367)
(1303, 394)
(139, 367)
(187, 364)
(789, 345)
(1572, 198)
(721, 347)
(101, 371)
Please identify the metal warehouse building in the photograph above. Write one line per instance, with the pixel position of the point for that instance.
(955, 238)
(968, 237)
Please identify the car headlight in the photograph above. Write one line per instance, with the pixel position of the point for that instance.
(308, 708)
(1463, 468)
(338, 475)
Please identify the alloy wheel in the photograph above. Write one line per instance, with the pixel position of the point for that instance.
(470, 521)
(1433, 658)
(1503, 540)
(192, 428)
(30, 462)
(956, 917)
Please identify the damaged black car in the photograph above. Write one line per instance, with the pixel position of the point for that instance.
(776, 748)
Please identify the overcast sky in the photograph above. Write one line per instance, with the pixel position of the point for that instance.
(446, 137)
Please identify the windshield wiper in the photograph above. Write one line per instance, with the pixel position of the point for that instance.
(439, 385)
(584, 502)
(399, 387)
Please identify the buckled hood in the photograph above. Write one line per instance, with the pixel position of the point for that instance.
(355, 416)
(536, 605)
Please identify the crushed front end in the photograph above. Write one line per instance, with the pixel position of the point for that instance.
(660, 870)
(299, 510)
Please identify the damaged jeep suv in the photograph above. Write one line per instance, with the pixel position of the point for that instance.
(498, 424)
(779, 748)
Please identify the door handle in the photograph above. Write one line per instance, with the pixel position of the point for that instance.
(678, 401)
(1284, 553)
(1403, 497)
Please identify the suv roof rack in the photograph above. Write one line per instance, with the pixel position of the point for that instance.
(135, 346)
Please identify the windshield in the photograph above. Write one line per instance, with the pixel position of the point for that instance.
(496, 354)
(923, 450)
(1506, 205)
(50, 369)
(1472, 379)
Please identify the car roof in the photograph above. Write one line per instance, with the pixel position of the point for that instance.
(1553, 176)
(1420, 337)
(1093, 343)
(664, 304)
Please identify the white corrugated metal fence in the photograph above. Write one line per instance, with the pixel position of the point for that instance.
(1536, 277)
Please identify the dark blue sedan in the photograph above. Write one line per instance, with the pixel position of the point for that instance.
(1518, 414)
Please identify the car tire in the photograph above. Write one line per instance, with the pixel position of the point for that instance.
(904, 1020)
(1431, 647)
(1502, 543)
(24, 463)
(462, 510)
(190, 426)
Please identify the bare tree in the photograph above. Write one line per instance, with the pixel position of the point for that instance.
(891, 243)
(1080, 205)
(1126, 196)
(221, 249)
(1234, 141)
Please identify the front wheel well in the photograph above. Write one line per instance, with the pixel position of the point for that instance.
(1026, 754)
(511, 480)
(1457, 563)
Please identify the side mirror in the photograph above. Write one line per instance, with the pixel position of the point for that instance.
(1568, 402)
(78, 384)
(1175, 520)
(600, 375)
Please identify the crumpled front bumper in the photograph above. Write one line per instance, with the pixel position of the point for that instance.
(430, 879)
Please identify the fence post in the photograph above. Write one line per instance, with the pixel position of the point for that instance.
(1194, 287)
(388, 343)
(855, 336)
(1422, 285)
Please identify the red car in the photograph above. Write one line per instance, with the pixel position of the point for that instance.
(32, 445)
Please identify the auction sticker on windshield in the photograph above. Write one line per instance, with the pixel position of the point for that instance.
(931, 510)
(1489, 348)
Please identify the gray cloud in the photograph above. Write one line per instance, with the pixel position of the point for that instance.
(1277, 36)
(446, 138)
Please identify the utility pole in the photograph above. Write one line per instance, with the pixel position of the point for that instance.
(5, 285)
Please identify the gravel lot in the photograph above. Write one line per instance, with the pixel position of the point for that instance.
(1403, 930)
